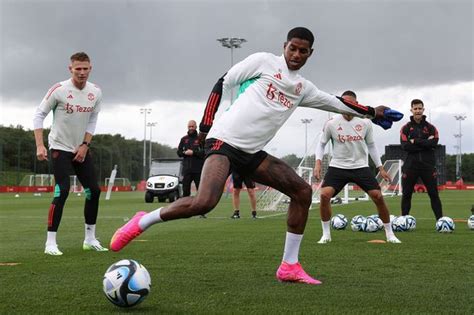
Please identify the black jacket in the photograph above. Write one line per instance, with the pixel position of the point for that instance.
(191, 163)
(421, 153)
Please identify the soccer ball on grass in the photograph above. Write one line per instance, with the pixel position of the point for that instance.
(339, 222)
(371, 225)
(445, 225)
(470, 222)
(358, 223)
(126, 283)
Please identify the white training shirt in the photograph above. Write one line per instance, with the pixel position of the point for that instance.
(73, 111)
(350, 140)
(259, 112)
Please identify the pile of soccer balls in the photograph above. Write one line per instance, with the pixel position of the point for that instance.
(369, 224)
(126, 283)
(404, 223)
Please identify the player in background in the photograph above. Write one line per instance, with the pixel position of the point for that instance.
(352, 140)
(238, 180)
(237, 138)
(76, 104)
(419, 139)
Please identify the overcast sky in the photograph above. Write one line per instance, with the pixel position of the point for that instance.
(164, 55)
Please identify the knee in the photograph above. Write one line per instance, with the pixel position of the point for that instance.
(95, 193)
(92, 193)
(376, 196)
(325, 197)
(62, 194)
(304, 195)
(204, 205)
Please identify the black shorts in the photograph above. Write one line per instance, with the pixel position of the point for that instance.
(237, 179)
(337, 178)
(240, 161)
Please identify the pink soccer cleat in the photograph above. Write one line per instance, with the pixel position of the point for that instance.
(127, 233)
(294, 273)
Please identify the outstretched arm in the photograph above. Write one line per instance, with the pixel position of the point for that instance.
(380, 115)
(212, 106)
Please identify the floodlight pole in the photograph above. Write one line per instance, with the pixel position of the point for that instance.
(151, 125)
(306, 121)
(459, 118)
(231, 42)
(144, 111)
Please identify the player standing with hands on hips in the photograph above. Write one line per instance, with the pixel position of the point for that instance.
(76, 104)
(235, 141)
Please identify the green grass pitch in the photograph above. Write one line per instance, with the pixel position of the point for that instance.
(223, 266)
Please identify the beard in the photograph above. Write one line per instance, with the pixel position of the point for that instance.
(192, 133)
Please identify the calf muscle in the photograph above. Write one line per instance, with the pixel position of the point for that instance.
(213, 178)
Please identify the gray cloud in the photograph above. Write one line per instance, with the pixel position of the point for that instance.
(148, 50)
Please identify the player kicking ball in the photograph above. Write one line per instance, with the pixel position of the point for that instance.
(235, 141)
(353, 140)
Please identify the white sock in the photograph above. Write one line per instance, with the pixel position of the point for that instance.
(292, 247)
(149, 219)
(388, 230)
(326, 229)
(51, 239)
(90, 232)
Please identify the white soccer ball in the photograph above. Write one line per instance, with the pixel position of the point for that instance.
(470, 222)
(371, 225)
(400, 224)
(339, 222)
(410, 222)
(445, 225)
(358, 223)
(377, 219)
(126, 283)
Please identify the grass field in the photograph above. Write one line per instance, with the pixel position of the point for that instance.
(223, 266)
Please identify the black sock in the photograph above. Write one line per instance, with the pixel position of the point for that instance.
(236, 212)
(254, 213)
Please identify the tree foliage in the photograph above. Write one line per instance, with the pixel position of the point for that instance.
(18, 154)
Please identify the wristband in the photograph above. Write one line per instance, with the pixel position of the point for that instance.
(88, 144)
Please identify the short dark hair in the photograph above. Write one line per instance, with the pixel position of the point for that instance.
(301, 33)
(80, 56)
(417, 101)
(349, 93)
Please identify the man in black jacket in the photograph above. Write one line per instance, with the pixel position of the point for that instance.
(419, 139)
(191, 150)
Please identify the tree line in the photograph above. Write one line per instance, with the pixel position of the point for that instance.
(18, 157)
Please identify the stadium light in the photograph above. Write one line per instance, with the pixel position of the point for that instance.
(459, 118)
(306, 121)
(231, 42)
(144, 111)
(151, 125)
